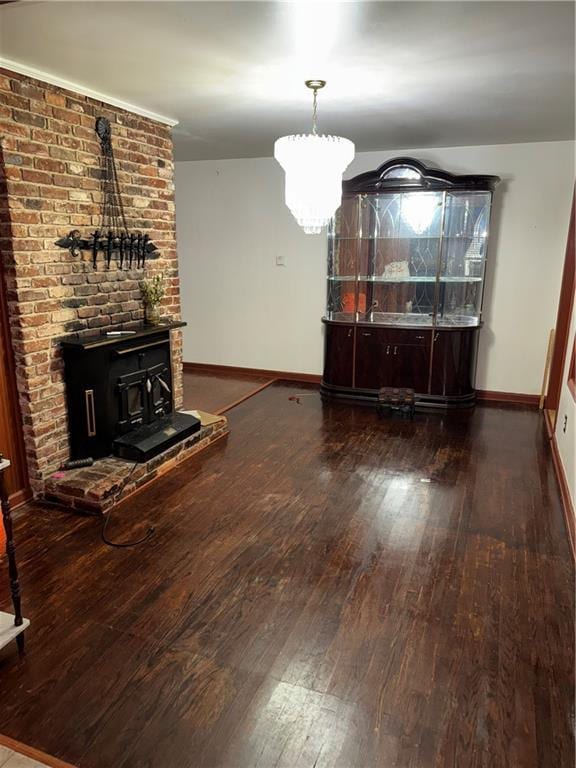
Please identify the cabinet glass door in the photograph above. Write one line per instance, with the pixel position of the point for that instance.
(343, 245)
(401, 235)
(463, 259)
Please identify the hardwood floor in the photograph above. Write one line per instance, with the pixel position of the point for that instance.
(323, 590)
(216, 392)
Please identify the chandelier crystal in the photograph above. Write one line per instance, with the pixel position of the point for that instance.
(313, 165)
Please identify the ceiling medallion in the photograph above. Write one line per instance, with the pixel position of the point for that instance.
(313, 165)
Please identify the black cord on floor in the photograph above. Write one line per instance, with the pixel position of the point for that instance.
(106, 520)
(111, 543)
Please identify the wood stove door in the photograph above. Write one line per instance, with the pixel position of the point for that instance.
(159, 388)
(133, 401)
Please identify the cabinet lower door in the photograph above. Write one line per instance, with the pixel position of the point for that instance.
(382, 363)
(412, 368)
(338, 355)
(454, 362)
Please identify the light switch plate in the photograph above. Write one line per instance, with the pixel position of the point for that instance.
(280, 260)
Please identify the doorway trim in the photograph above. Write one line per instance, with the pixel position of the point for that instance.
(562, 342)
(563, 318)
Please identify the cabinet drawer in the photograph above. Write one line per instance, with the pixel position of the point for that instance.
(397, 336)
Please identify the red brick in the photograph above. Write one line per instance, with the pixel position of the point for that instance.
(19, 189)
(12, 172)
(83, 132)
(84, 312)
(55, 192)
(15, 100)
(48, 137)
(62, 153)
(79, 106)
(28, 118)
(77, 169)
(27, 245)
(35, 320)
(32, 295)
(9, 127)
(56, 99)
(36, 204)
(40, 177)
(28, 89)
(79, 194)
(25, 217)
(69, 117)
(59, 127)
(71, 142)
(47, 164)
(65, 181)
(32, 270)
(32, 148)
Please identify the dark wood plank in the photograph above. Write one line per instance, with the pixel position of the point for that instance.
(218, 392)
(326, 589)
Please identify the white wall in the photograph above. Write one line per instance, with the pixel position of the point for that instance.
(241, 308)
(244, 310)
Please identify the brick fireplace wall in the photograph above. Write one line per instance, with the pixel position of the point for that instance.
(50, 163)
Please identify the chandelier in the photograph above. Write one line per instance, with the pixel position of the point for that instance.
(313, 165)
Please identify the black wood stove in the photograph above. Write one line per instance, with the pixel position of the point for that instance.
(119, 391)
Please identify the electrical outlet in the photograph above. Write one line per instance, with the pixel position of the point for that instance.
(280, 260)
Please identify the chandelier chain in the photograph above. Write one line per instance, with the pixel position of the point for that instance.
(315, 112)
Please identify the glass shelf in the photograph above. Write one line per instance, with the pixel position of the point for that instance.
(483, 236)
(449, 321)
(397, 318)
(409, 279)
(342, 278)
(405, 318)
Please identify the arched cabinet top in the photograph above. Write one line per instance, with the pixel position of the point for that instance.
(407, 173)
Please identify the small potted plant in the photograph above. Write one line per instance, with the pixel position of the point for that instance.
(153, 292)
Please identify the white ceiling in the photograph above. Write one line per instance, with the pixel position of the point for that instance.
(399, 74)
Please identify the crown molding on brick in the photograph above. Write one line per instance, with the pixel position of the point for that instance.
(60, 82)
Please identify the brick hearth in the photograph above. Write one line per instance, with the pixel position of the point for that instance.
(99, 487)
(50, 185)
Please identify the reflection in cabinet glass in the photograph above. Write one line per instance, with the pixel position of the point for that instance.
(406, 250)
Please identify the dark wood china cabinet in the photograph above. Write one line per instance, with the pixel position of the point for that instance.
(406, 260)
